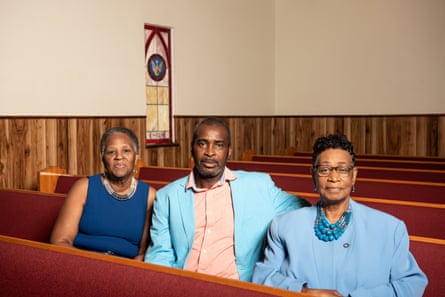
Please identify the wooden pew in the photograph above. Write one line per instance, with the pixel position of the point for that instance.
(422, 219)
(412, 212)
(28, 214)
(413, 164)
(408, 174)
(365, 187)
(38, 269)
(48, 178)
(55, 179)
(31, 268)
(294, 152)
(427, 253)
(430, 255)
(372, 188)
(151, 172)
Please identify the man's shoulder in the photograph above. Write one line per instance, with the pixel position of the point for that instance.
(174, 185)
(250, 174)
(252, 179)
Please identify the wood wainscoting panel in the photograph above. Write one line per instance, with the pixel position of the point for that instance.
(29, 144)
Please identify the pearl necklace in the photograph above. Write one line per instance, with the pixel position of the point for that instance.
(121, 197)
(326, 231)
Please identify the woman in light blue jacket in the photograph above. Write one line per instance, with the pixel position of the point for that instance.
(339, 247)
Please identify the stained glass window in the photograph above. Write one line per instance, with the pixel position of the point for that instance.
(158, 85)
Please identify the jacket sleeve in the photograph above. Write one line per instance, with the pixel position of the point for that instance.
(268, 272)
(284, 201)
(160, 250)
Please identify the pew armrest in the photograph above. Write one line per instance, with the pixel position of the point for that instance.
(48, 178)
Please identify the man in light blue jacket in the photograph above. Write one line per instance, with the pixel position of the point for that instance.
(214, 221)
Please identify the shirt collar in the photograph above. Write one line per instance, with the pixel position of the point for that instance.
(227, 176)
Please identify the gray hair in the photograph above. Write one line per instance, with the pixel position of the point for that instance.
(122, 130)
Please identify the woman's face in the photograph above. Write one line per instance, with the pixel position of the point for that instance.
(334, 175)
(119, 156)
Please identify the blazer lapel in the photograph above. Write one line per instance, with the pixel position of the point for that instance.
(186, 205)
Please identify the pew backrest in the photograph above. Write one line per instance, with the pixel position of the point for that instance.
(162, 173)
(430, 255)
(38, 269)
(407, 174)
(28, 214)
(294, 152)
(421, 219)
(414, 164)
(431, 192)
(372, 188)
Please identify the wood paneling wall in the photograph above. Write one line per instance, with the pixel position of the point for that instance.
(29, 144)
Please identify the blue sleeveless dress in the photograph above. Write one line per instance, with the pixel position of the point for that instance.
(109, 225)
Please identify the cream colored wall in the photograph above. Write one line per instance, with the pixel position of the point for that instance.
(86, 57)
(231, 57)
(360, 57)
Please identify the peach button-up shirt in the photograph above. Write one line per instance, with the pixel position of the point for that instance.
(213, 250)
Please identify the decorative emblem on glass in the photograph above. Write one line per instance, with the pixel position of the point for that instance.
(156, 67)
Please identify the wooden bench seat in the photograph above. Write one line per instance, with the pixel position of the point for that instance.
(37, 269)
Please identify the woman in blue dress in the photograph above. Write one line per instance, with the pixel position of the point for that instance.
(110, 212)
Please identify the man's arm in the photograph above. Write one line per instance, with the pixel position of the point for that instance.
(160, 250)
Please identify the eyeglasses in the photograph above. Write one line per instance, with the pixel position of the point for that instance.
(327, 170)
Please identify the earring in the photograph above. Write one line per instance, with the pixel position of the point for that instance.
(315, 189)
(353, 188)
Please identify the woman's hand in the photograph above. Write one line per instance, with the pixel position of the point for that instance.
(321, 292)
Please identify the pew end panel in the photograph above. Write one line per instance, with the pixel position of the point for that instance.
(48, 178)
(247, 155)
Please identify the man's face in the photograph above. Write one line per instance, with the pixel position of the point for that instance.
(210, 152)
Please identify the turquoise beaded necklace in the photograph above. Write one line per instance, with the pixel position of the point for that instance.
(326, 231)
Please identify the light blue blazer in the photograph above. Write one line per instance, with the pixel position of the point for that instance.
(256, 200)
(371, 258)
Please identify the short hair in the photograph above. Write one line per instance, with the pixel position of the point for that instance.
(123, 130)
(332, 141)
(212, 121)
